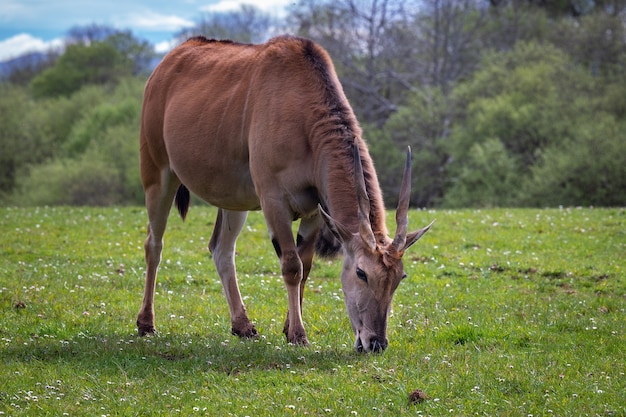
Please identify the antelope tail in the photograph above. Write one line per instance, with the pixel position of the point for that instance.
(182, 201)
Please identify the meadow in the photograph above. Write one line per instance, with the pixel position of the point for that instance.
(518, 312)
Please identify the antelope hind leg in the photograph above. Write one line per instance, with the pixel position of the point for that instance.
(160, 190)
(228, 225)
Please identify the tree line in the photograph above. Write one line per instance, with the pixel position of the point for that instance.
(504, 102)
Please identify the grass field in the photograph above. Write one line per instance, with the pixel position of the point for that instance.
(505, 312)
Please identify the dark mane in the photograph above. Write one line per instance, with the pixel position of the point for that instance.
(341, 128)
(337, 107)
(201, 39)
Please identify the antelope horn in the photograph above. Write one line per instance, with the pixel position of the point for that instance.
(365, 227)
(402, 212)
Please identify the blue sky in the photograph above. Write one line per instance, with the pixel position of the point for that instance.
(36, 25)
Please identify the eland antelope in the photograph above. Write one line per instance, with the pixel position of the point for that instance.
(268, 127)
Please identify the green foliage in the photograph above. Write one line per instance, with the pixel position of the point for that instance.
(16, 151)
(595, 41)
(524, 99)
(96, 122)
(388, 162)
(96, 63)
(488, 178)
(529, 138)
(59, 115)
(138, 52)
(421, 124)
(496, 317)
(97, 163)
(69, 182)
(511, 104)
(106, 174)
(27, 67)
(34, 132)
(590, 171)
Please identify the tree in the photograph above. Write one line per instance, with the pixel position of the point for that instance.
(566, 8)
(523, 98)
(529, 138)
(88, 34)
(503, 102)
(98, 163)
(590, 171)
(97, 63)
(94, 55)
(371, 44)
(139, 51)
(21, 70)
(16, 151)
(449, 40)
(488, 177)
(33, 132)
(248, 25)
(422, 123)
(597, 41)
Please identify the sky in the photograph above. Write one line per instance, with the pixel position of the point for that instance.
(37, 25)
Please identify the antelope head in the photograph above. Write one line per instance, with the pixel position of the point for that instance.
(372, 270)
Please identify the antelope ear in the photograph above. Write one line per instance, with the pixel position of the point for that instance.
(336, 228)
(413, 237)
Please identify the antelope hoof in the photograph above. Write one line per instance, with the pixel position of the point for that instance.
(242, 327)
(298, 339)
(249, 333)
(145, 329)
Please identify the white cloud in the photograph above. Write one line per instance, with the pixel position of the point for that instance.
(12, 9)
(224, 6)
(24, 43)
(158, 22)
(165, 46)
(270, 6)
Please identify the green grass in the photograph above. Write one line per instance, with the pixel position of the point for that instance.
(505, 312)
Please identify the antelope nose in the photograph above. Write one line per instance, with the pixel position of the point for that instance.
(377, 346)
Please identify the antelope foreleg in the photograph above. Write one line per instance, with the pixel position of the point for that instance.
(292, 270)
(307, 236)
(278, 218)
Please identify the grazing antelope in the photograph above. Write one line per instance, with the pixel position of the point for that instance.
(268, 127)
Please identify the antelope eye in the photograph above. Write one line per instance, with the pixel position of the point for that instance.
(361, 274)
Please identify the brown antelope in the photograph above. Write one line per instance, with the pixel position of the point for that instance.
(268, 127)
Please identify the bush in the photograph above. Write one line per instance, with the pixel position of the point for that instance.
(534, 122)
(80, 65)
(422, 124)
(98, 163)
(488, 178)
(67, 182)
(91, 180)
(590, 171)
